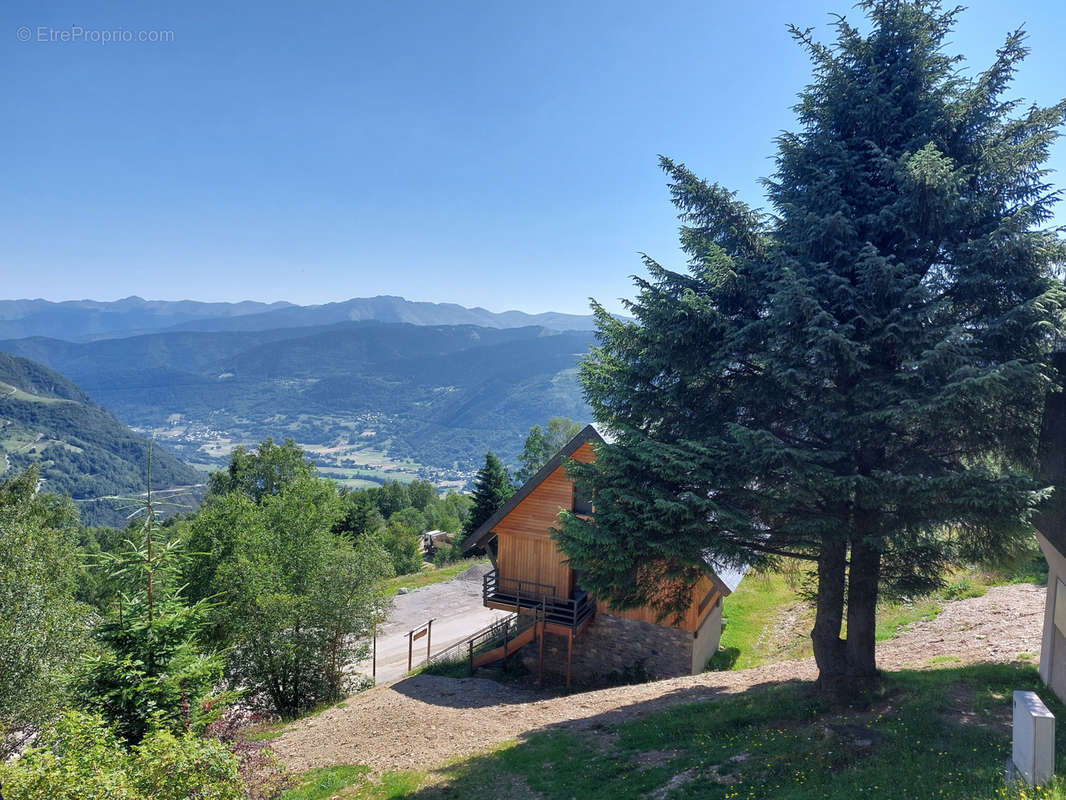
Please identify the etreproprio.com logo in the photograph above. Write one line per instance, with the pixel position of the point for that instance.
(76, 34)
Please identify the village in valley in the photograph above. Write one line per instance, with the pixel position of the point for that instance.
(786, 519)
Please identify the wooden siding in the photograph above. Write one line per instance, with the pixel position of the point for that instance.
(704, 598)
(532, 558)
(526, 551)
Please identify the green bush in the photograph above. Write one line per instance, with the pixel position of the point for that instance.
(80, 758)
(401, 543)
(448, 553)
(960, 589)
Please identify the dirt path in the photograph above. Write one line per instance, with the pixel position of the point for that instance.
(423, 721)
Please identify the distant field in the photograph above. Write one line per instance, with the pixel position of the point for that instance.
(8, 392)
(357, 465)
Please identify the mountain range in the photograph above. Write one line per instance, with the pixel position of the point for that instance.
(86, 320)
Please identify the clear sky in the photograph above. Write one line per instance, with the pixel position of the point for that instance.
(492, 153)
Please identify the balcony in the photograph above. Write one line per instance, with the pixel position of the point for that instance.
(567, 615)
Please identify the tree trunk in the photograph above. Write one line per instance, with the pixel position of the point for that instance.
(829, 652)
(864, 573)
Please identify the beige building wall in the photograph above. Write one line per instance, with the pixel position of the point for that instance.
(1053, 646)
(705, 643)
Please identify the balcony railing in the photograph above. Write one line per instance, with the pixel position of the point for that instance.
(520, 595)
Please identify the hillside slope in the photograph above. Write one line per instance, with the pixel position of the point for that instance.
(388, 308)
(83, 450)
(427, 720)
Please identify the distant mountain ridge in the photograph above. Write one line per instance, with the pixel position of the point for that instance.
(83, 451)
(81, 320)
(87, 320)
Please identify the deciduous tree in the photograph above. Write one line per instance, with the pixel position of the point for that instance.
(42, 627)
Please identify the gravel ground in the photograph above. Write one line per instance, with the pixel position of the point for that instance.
(423, 721)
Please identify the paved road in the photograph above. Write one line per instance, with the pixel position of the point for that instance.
(456, 610)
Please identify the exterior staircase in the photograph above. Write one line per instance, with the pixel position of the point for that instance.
(497, 642)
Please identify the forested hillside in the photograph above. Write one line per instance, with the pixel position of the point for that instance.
(83, 451)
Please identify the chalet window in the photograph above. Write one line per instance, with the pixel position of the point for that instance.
(582, 500)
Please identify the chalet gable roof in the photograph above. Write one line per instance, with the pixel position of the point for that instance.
(478, 537)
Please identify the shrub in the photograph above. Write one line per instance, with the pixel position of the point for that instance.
(263, 776)
(80, 758)
(448, 553)
(401, 543)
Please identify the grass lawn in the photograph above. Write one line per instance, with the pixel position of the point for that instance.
(766, 620)
(941, 733)
(750, 615)
(430, 575)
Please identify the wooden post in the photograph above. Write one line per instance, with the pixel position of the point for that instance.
(410, 649)
(470, 668)
(429, 636)
(540, 654)
(374, 662)
(569, 656)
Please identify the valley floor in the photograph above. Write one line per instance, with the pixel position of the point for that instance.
(424, 721)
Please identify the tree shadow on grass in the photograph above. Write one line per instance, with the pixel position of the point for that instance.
(770, 733)
(563, 748)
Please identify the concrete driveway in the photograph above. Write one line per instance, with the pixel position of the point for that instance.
(456, 610)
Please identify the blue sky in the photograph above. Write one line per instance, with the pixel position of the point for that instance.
(496, 153)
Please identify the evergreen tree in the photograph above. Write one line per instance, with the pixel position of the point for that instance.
(492, 488)
(151, 671)
(855, 381)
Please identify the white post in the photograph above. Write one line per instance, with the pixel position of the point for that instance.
(1033, 750)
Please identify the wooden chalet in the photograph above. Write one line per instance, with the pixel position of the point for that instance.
(531, 577)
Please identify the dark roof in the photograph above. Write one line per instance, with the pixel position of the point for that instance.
(475, 539)
(1051, 521)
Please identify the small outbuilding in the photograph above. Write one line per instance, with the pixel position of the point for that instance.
(1051, 534)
